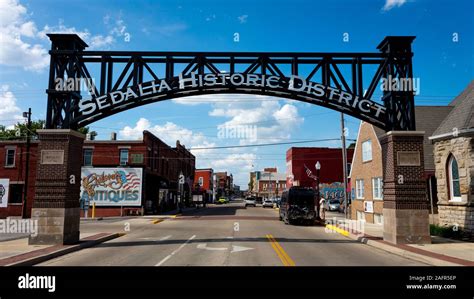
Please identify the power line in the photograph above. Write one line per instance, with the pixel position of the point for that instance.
(262, 144)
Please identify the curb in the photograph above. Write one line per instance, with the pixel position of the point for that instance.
(382, 245)
(86, 243)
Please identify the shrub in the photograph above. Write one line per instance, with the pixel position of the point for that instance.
(446, 231)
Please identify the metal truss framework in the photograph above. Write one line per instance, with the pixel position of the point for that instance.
(119, 70)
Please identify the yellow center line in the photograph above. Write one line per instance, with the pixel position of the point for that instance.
(157, 221)
(284, 257)
(337, 229)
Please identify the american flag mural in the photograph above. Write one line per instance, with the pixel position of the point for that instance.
(133, 181)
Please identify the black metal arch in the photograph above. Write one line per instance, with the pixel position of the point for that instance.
(70, 61)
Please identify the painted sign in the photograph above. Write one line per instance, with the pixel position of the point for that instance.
(332, 191)
(4, 186)
(112, 186)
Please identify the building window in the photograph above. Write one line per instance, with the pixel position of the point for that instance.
(360, 215)
(16, 194)
(87, 157)
(367, 151)
(201, 181)
(360, 189)
(378, 218)
(377, 187)
(123, 157)
(10, 157)
(454, 187)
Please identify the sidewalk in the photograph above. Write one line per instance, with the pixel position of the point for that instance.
(18, 253)
(441, 252)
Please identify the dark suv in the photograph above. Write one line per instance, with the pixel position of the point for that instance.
(297, 206)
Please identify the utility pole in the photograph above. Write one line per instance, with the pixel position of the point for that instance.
(25, 191)
(344, 162)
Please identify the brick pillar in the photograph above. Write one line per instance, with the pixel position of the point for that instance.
(56, 204)
(405, 209)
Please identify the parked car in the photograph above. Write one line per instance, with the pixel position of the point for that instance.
(250, 201)
(297, 206)
(334, 205)
(222, 200)
(267, 203)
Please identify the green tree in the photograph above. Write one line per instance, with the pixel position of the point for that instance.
(20, 130)
(86, 130)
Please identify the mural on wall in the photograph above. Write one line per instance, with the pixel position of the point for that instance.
(332, 191)
(4, 184)
(111, 186)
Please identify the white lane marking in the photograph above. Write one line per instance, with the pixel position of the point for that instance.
(165, 238)
(204, 246)
(174, 252)
(156, 240)
(236, 248)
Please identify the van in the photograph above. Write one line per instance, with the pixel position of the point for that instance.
(297, 206)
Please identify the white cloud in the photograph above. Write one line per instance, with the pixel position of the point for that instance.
(236, 161)
(169, 133)
(23, 45)
(275, 121)
(93, 41)
(15, 32)
(243, 19)
(10, 113)
(389, 4)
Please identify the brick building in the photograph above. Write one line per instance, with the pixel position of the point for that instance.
(160, 166)
(300, 163)
(367, 169)
(12, 177)
(225, 184)
(204, 182)
(270, 183)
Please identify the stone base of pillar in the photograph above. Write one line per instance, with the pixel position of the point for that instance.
(405, 208)
(55, 226)
(406, 226)
(57, 187)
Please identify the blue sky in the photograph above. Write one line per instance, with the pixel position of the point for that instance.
(444, 65)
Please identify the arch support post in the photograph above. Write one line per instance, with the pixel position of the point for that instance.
(58, 181)
(405, 207)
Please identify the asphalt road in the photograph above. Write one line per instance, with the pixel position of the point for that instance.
(224, 235)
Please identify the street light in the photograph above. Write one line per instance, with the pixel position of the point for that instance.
(318, 167)
(27, 171)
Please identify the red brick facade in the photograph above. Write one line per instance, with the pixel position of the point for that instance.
(16, 175)
(329, 158)
(160, 162)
